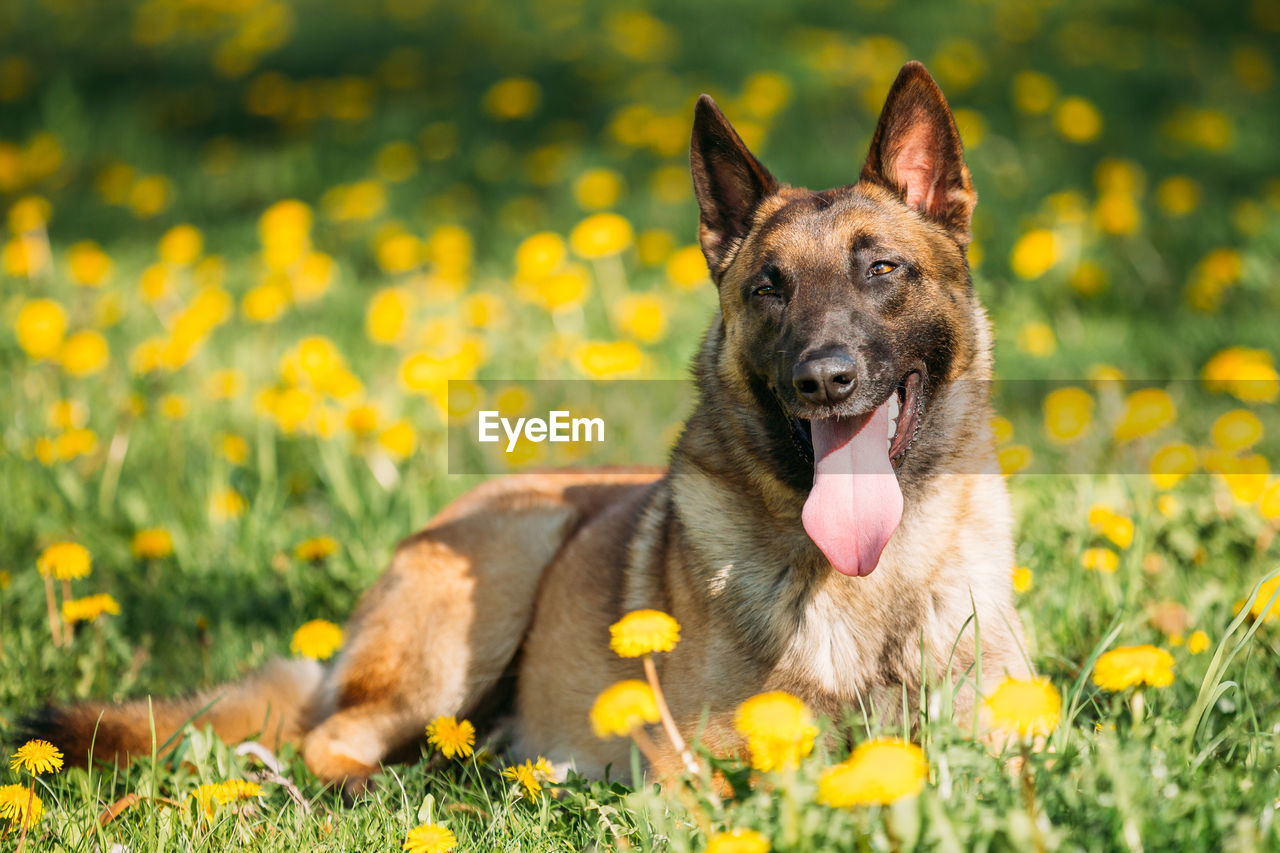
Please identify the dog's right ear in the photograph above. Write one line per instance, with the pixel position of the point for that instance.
(728, 181)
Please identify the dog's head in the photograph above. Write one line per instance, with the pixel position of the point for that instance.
(845, 309)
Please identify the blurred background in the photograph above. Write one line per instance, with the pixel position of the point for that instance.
(247, 242)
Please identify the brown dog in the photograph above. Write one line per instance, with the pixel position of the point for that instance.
(832, 522)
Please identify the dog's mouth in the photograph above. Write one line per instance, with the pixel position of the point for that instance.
(855, 504)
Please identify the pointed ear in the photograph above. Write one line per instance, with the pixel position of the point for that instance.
(728, 181)
(916, 152)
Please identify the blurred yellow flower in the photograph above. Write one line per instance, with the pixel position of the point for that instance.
(687, 267)
(1068, 412)
(643, 632)
(1248, 374)
(513, 98)
(88, 264)
(1198, 642)
(398, 251)
(539, 255)
(642, 316)
(85, 353)
(89, 608)
(1100, 560)
(1014, 458)
(623, 707)
(20, 805)
(600, 235)
(1023, 579)
(1034, 253)
(76, 442)
(1088, 278)
(738, 841)
(451, 736)
(1146, 411)
(568, 288)
(37, 757)
(386, 318)
(40, 327)
(226, 504)
(267, 302)
(1118, 528)
(173, 407)
(1171, 463)
(609, 359)
(150, 195)
(396, 162)
(1025, 707)
(1001, 429)
(29, 213)
(315, 549)
(284, 230)
(878, 772)
(312, 278)
(68, 414)
(317, 639)
(152, 543)
(1033, 92)
(655, 245)
(1178, 195)
(399, 439)
(64, 561)
(233, 448)
(1120, 669)
(181, 245)
(1117, 213)
(779, 730)
(1078, 120)
(1236, 430)
(598, 189)
(429, 838)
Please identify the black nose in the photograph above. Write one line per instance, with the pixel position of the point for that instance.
(824, 379)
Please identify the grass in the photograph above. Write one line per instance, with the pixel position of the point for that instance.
(1148, 247)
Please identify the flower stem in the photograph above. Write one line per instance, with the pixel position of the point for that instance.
(668, 723)
(647, 747)
(55, 620)
(1029, 796)
(26, 815)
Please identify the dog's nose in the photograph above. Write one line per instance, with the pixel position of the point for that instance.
(824, 379)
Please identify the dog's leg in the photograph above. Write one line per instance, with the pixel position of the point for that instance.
(438, 630)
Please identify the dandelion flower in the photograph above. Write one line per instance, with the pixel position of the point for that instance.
(622, 708)
(452, 736)
(531, 776)
(1023, 579)
(738, 841)
(430, 838)
(601, 235)
(1198, 643)
(1120, 669)
(20, 805)
(1100, 560)
(878, 772)
(643, 632)
(209, 797)
(64, 560)
(38, 757)
(1146, 411)
(1027, 707)
(317, 639)
(315, 549)
(89, 608)
(152, 544)
(40, 327)
(779, 730)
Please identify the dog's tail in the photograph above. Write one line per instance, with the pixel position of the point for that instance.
(269, 705)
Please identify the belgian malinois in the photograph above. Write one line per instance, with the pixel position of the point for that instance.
(832, 522)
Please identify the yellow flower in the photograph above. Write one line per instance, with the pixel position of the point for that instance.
(643, 632)
(1078, 120)
(1116, 527)
(1236, 430)
(19, 805)
(878, 772)
(451, 736)
(622, 708)
(29, 213)
(531, 776)
(209, 797)
(738, 841)
(1014, 458)
(779, 730)
(150, 195)
(1026, 707)
(1034, 253)
(1100, 560)
(89, 265)
(642, 316)
(1120, 669)
(37, 757)
(597, 189)
(600, 235)
(539, 255)
(429, 838)
(397, 251)
(1178, 195)
(40, 327)
(1265, 591)
(609, 360)
(85, 353)
(315, 549)
(1067, 414)
(89, 608)
(399, 439)
(181, 245)
(1022, 579)
(1033, 92)
(567, 288)
(1171, 463)
(152, 543)
(1248, 374)
(267, 302)
(512, 98)
(1198, 642)
(226, 504)
(233, 448)
(385, 321)
(1146, 411)
(317, 639)
(65, 561)
(687, 267)
(1037, 339)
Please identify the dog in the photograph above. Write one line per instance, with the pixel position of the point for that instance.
(832, 522)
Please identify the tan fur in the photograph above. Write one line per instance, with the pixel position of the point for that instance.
(503, 603)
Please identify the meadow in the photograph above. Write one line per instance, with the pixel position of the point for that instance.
(248, 244)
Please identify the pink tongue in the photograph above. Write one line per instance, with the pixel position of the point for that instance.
(855, 504)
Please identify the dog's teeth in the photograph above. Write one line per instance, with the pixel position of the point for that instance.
(893, 406)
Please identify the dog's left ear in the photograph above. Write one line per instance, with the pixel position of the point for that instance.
(916, 152)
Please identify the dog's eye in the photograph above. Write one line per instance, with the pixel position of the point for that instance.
(771, 284)
(764, 290)
(881, 268)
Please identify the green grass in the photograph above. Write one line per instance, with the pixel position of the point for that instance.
(1185, 90)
